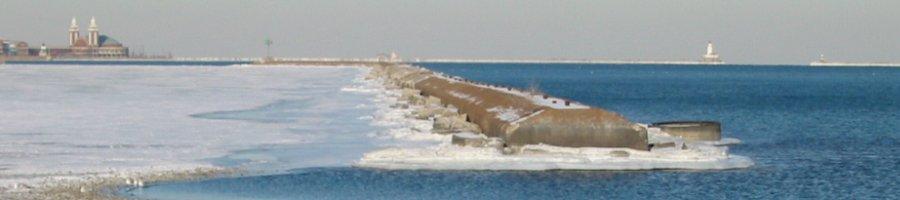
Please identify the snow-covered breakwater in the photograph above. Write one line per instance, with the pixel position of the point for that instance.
(500, 128)
(517, 117)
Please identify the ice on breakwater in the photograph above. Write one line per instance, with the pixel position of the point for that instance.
(404, 104)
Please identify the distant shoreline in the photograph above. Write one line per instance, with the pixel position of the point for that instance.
(318, 61)
(847, 64)
(563, 61)
(214, 61)
(162, 62)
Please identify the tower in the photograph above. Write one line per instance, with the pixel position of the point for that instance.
(73, 32)
(711, 56)
(43, 52)
(93, 34)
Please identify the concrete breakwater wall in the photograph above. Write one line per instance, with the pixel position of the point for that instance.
(321, 62)
(517, 117)
(692, 130)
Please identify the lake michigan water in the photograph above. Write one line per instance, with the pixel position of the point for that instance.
(821, 133)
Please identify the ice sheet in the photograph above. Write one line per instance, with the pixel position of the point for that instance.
(59, 122)
(445, 156)
(542, 157)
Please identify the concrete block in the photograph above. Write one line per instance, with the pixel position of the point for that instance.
(692, 130)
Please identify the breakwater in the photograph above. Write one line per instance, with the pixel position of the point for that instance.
(516, 117)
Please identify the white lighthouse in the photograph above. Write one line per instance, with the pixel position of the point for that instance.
(711, 56)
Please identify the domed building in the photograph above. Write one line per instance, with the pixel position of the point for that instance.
(94, 45)
(13, 48)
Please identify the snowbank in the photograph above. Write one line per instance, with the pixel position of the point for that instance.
(394, 115)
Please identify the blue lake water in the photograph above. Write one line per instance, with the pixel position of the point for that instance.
(822, 133)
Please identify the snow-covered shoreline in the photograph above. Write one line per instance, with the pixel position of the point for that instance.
(393, 114)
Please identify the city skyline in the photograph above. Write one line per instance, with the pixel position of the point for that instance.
(759, 32)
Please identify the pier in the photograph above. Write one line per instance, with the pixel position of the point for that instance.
(517, 117)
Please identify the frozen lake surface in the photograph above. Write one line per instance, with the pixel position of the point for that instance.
(67, 122)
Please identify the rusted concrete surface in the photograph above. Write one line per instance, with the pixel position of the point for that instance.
(692, 130)
(577, 128)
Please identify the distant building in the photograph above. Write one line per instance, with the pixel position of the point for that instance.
(711, 56)
(95, 45)
(44, 52)
(392, 57)
(20, 48)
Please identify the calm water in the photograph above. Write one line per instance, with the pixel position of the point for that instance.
(823, 133)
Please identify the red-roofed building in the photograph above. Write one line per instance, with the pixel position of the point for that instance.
(95, 45)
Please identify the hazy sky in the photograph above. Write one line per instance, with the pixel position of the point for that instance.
(755, 31)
